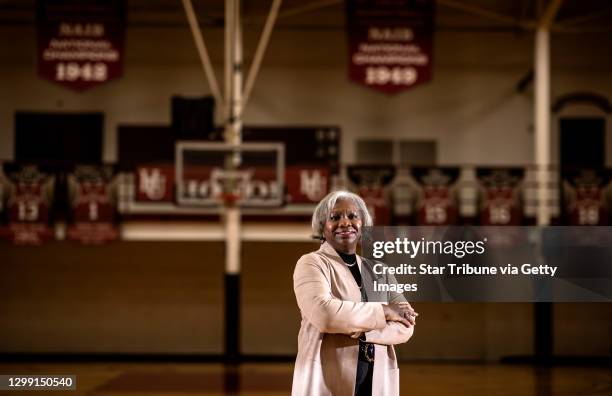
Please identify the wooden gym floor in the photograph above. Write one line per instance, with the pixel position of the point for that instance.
(417, 379)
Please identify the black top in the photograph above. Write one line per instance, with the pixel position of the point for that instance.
(351, 262)
(348, 258)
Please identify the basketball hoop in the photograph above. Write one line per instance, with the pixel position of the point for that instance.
(234, 185)
(230, 199)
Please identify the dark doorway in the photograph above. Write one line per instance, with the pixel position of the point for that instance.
(59, 139)
(583, 143)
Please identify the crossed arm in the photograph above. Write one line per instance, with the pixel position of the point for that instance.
(379, 323)
(394, 332)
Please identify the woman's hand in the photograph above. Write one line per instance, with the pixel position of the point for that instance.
(400, 312)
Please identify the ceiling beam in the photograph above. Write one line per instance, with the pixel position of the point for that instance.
(550, 13)
(485, 13)
(297, 10)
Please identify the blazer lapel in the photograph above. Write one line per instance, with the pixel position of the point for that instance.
(341, 269)
(368, 277)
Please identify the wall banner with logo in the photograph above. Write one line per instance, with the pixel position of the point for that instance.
(500, 195)
(373, 183)
(29, 198)
(306, 184)
(390, 43)
(155, 183)
(80, 42)
(438, 195)
(587, 196)
(93, 204)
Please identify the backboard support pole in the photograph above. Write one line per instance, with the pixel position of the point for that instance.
(233, 103)
(543, 312)
(231, 214)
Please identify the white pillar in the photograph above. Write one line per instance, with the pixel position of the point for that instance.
(233, 129)
(542, 122)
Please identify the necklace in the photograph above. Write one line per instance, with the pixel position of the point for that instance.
(346, 257)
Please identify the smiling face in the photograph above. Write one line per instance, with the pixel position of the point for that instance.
(342, 229)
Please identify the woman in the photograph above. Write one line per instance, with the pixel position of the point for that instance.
(345, 344)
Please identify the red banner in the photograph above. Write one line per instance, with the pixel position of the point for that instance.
(390, 43)
(585, 193)
(500, 200)
(80, 42)
(155, 183)
(28, 205)
(372, 183)
(438, 200)
(93, 205)
(205, 185)
(306, 184)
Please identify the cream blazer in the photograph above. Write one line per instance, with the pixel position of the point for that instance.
(333, 318)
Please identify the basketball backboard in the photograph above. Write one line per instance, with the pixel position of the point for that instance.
(251, 174)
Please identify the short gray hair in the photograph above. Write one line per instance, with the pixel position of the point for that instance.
(323, 210)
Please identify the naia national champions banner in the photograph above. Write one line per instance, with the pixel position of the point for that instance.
(80, 42)
(390, 43)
